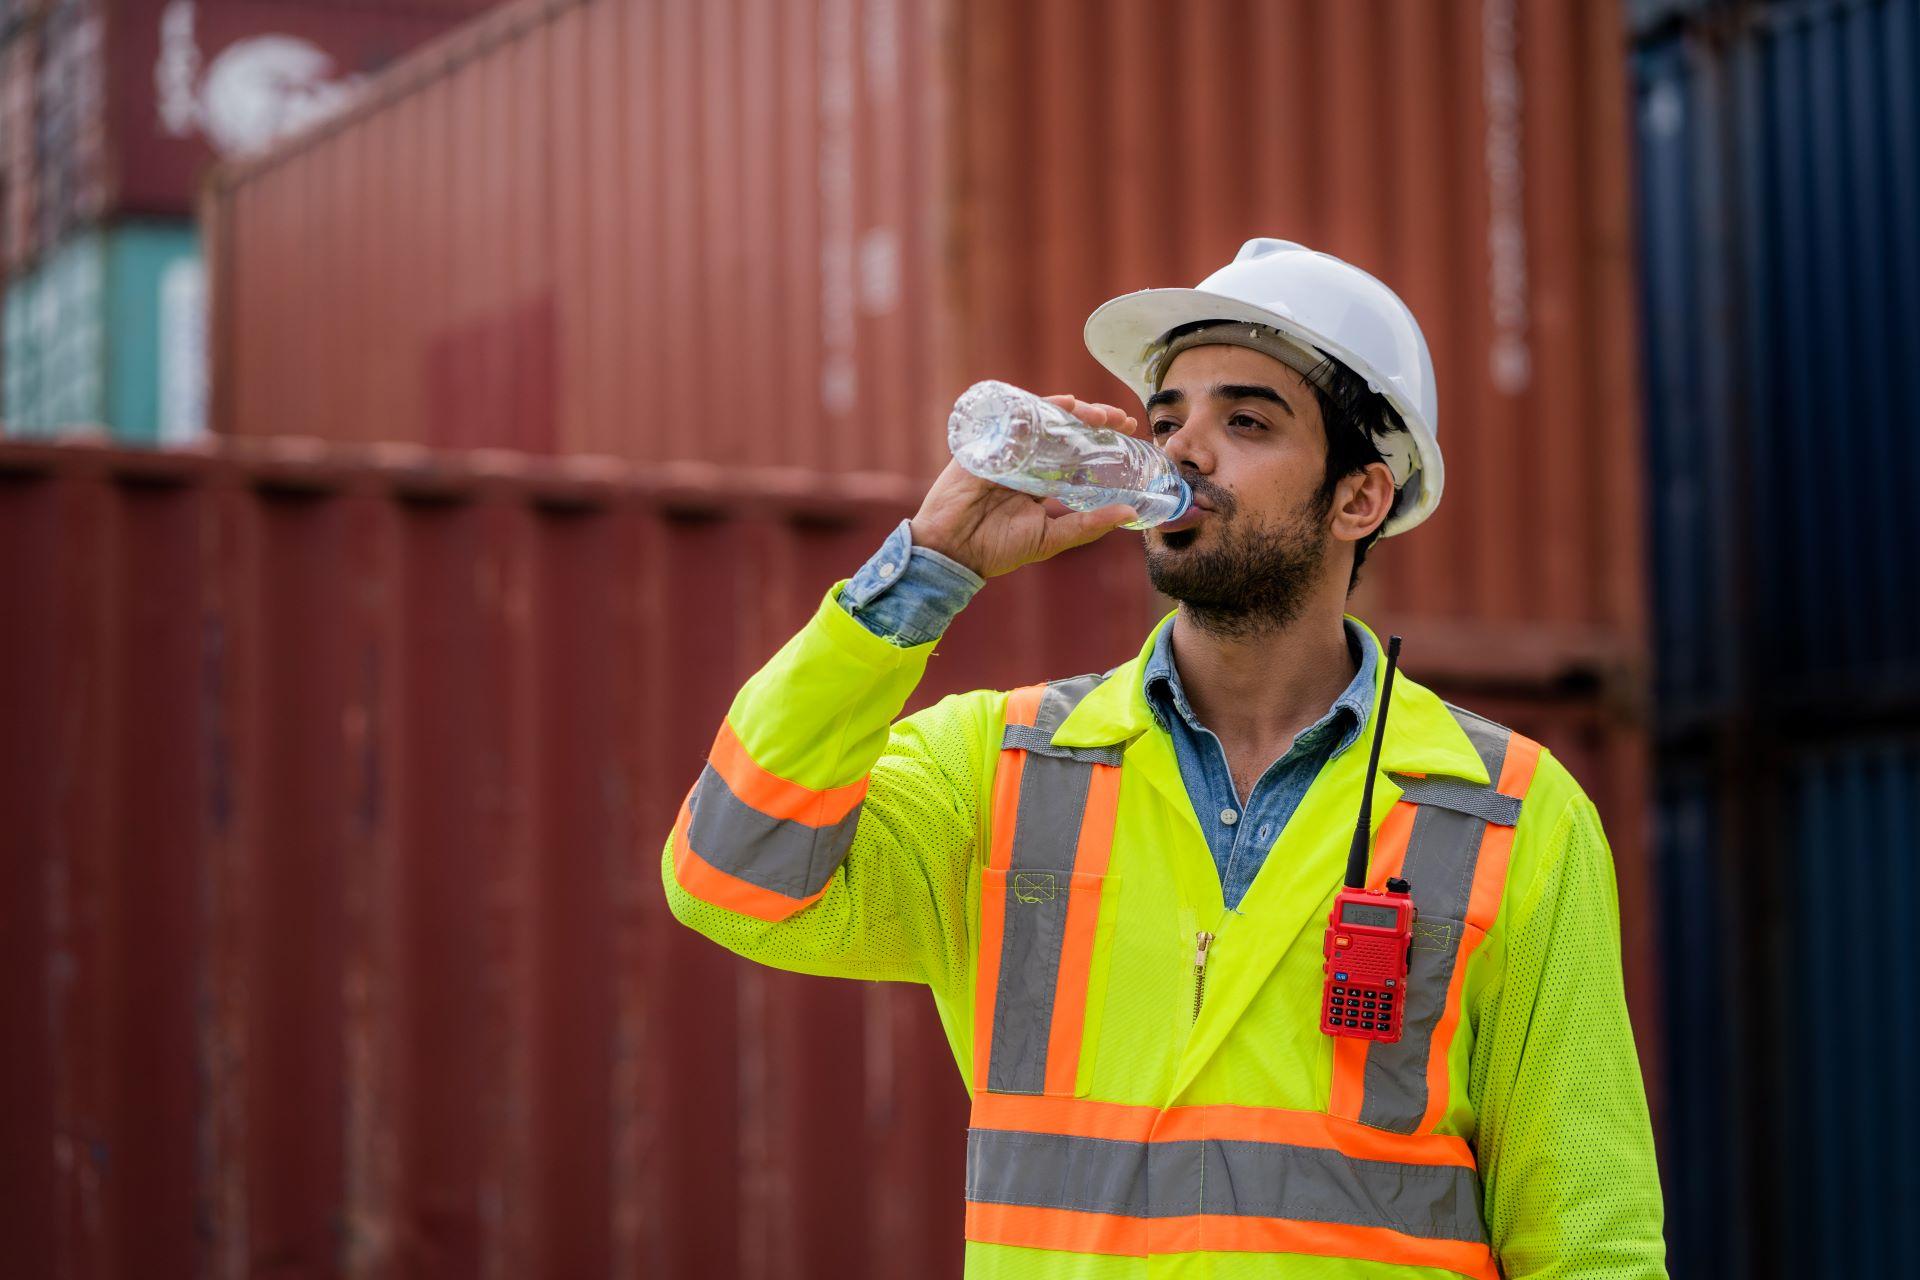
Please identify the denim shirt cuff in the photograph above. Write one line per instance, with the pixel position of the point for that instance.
(909, 594)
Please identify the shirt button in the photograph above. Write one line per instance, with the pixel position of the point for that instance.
(1229, 817)
(886, 570)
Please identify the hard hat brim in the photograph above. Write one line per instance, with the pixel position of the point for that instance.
(1123, 333)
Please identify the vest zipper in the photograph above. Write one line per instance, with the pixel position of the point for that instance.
(1201, 941)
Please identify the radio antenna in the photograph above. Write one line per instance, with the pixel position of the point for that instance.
(1362, 831)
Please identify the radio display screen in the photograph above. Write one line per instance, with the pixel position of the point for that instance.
(1376, 917)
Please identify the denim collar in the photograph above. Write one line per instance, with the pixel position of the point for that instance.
(1166, 697)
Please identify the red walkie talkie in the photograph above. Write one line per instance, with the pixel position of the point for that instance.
(1369, 931)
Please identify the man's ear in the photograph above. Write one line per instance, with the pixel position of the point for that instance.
(1363, 501)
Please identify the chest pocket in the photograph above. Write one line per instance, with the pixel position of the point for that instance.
(1455, 858)
(1041, 893)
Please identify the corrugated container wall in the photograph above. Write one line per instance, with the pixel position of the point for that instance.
(1780, 150)
(331, 935)
(116, 108)
(748, 234)
(1779, 157)
(757, 242)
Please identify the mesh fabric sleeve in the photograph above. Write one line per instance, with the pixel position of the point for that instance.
(896, 909)
(1564, 1142)
(826, 837)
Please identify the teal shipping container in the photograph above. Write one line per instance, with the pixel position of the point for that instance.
(108, 332)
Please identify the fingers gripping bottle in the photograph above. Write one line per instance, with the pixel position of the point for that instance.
(1014, 438)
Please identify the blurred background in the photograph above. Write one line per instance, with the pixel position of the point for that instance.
(421, 416)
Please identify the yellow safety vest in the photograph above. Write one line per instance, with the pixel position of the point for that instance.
(1142, 1107)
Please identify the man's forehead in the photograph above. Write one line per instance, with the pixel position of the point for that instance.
(1197, 369)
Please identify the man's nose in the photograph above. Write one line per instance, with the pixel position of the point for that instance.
(1187, 447)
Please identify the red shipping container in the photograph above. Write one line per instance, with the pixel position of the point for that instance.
(19, 59)
(782, 237)
(331, 934)
(129, 102)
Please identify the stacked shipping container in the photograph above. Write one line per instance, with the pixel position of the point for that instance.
(758, 240)
(1780, 161)
(111, 111)
(751, 249)
(758, 235)
(331, 936)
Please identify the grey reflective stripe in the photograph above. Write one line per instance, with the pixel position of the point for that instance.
(1053, 798)
(1026, 737)
(1248, 1179)
(787, 857)
(1443, 853)
(1452, 793)
(1488, 738)
(1046, 839)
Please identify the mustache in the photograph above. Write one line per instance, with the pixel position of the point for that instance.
(1219, 499)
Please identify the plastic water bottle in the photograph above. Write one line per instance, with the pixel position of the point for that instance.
(1015, 438)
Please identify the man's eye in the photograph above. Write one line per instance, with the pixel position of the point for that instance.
(1162, 426)
(1248, 420)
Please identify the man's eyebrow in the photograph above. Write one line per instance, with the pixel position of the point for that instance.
(1224, 391)
(1251, 391)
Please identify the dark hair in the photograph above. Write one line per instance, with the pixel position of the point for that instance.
(1355, 418)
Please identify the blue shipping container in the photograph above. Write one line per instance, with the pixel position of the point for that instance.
(1780, 196)
(109, 330)
(1708, 1221)
(1779, 217)
(1849, 1117)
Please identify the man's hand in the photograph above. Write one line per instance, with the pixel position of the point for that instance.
(993, 530)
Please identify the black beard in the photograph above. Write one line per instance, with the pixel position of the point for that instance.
(1252, 580)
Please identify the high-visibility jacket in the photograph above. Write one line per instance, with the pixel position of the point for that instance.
(1139, 1110)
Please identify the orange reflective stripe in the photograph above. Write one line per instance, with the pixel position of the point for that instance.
(710, 884)
(1483, 905)
(1071, 1230)
(1311, 1129)
(1083, 912)
(775, 796)
(1079, 1117)
(1023, 706)
(1076, 1231)
(1390, 844)
(1242, 1234)
(1350, 1056)
(993, 925)
(1126, 1122)
(1490, 877)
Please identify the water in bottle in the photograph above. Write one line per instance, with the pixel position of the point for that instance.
(1015, 438)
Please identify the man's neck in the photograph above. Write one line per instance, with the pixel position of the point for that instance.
(1260, 689)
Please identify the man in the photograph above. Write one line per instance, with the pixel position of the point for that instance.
(1118, 887)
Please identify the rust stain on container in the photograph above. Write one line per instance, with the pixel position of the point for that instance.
(334, 942)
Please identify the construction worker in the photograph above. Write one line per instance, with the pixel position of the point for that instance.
(1118, 885)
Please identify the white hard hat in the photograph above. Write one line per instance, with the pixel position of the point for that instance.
(1319, 302)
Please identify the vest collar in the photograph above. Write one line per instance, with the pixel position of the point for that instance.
(1422, 736)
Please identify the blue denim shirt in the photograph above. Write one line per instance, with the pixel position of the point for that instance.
(910, 594)
(1240, 835)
